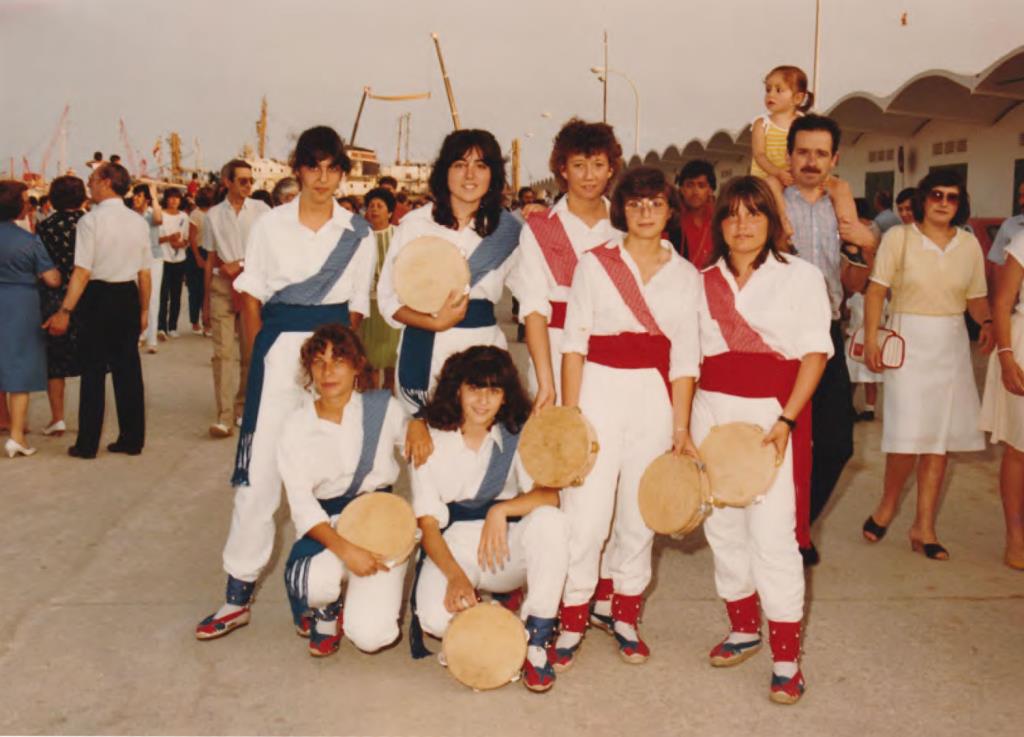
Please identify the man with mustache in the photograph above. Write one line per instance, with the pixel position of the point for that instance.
(812, 151)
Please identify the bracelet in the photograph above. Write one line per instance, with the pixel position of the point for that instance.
(787, 421)
(683, 428)
(65, 310)
(986, 321)
(1004, 350)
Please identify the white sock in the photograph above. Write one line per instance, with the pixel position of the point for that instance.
(627, 631)
(537, 656)
(327, 627)
(785, 668)
(738, 638)
(226, 610)
(603, 607)
(568, 639)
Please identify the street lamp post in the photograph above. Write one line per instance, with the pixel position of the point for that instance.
(602, 74)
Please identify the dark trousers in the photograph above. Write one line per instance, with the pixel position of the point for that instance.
(109, 326)
(194, 284)
(832, 418)
(170, 296)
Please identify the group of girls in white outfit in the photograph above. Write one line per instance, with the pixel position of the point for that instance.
(626, 321)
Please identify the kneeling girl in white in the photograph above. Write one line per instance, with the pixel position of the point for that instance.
(478, 531)
(331, 450)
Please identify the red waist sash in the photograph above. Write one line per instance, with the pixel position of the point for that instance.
(557, 315)
(632, 351)
(760, 375)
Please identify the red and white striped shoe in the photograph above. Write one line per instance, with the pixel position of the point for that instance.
(213, 627)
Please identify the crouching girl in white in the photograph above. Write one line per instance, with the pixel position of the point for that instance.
(478, 531)
(331, 450)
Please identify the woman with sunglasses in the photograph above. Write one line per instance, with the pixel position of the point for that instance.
(935, 270)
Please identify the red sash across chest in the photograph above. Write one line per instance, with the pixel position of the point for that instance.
(750, 368)
(650, 349)
(558, 253)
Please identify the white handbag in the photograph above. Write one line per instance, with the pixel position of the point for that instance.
(893, 346)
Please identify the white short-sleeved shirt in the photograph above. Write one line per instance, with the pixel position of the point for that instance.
(227, 232)
(112, 242)
(531, 281)
(420, 222)
(282, 251)
(176, 223)
(787, 304)
(596, 308)
(454, 471)
(1015, 248)
(317, 458)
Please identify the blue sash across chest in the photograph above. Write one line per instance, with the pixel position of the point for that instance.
(417, 346)
(295, 308)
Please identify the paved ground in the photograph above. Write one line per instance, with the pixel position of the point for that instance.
(106, 565)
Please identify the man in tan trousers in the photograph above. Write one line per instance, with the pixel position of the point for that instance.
(228, 225)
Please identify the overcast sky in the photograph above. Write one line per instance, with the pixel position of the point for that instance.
(200, 67)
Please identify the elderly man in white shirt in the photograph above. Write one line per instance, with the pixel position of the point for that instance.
(110, 288)
(224, 237)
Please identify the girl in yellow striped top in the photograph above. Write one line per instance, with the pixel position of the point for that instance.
(786, 98)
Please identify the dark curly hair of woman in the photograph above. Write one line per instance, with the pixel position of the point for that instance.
(479, 366)
(455, 147)
(345, 344)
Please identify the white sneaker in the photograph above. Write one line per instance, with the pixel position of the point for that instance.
(161, 335)
(197, 331)
(172, 333)
(219, 430)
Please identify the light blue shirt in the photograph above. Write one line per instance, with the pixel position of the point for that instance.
(816, 239)
(1010, 227)
(154, 235)
(886, 219)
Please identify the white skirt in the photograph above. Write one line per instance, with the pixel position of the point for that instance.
(1002, 413)
(931, 403)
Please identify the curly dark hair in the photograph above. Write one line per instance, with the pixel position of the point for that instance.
(345, 344)
(579, 137)
(456, 145)
(479, 366)
(642, 181)
(67, 193)
(754, 194)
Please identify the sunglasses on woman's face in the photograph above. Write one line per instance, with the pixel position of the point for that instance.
(938, 196)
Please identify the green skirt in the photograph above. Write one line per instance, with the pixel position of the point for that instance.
(379, 339)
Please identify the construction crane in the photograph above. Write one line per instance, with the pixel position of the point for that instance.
(130, 152)
(368, 94)
(59, 134)
(261, 129)
(403, 128)
(447, 82)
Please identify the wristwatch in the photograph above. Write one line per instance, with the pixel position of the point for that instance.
(65, 310)
(787, 421)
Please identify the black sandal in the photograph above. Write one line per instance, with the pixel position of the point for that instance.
(872, 528)
(932, 551)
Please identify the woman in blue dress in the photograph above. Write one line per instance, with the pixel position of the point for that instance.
(23, 262)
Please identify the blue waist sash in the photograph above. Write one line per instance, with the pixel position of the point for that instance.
(417, 350)
(277, 318)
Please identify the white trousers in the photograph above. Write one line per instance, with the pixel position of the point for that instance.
(372, 603)
(251, 538)
(555, 342)
(156, 275)
(539, 554)
(632, 415)
(754, 548)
